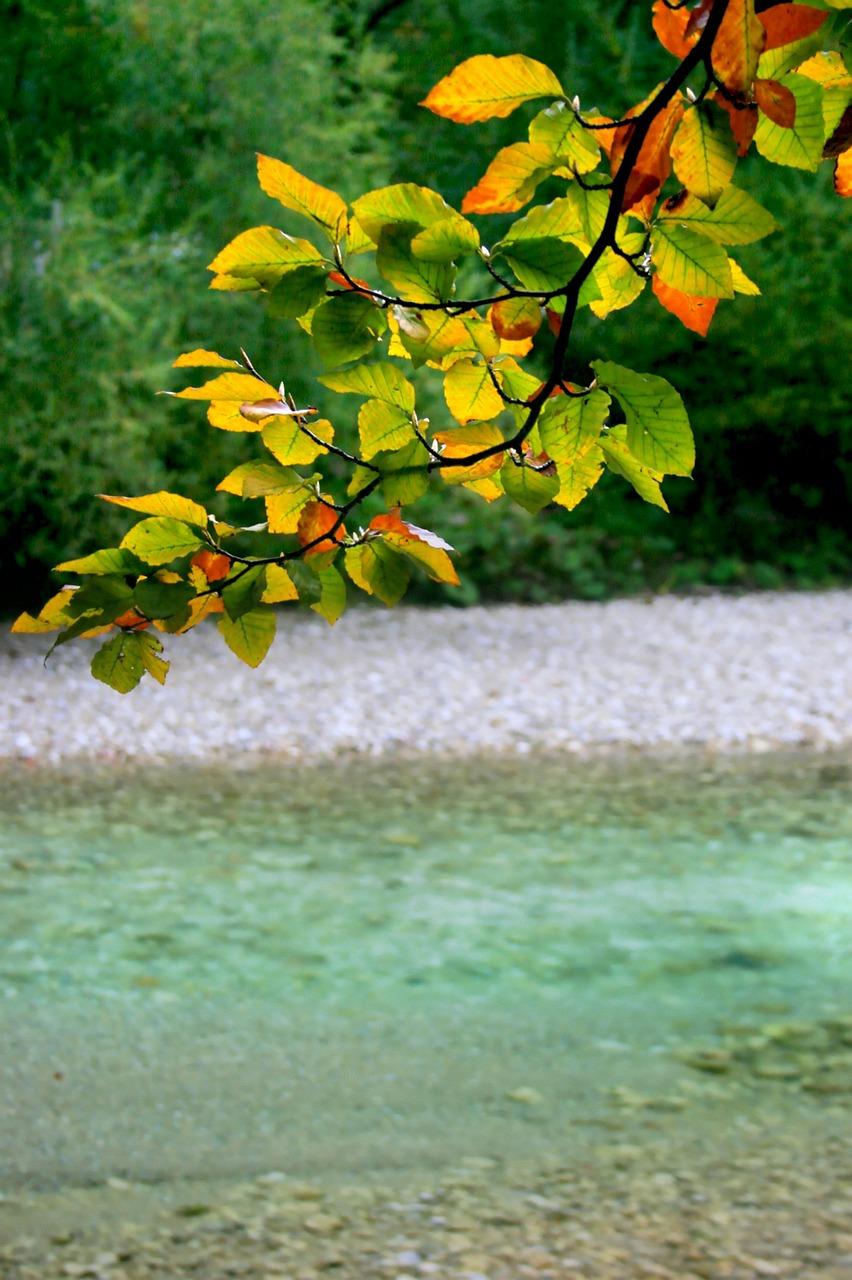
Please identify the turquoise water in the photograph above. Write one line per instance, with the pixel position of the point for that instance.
(214, 974)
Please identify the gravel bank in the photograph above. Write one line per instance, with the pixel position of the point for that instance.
(719, 673)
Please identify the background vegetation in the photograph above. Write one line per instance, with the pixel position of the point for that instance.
(127, 133)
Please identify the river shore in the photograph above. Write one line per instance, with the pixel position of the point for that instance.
(718, 673)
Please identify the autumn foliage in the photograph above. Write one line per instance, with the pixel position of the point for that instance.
(645, 195)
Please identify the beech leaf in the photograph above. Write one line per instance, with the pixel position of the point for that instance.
(324, 208)
(484, 87)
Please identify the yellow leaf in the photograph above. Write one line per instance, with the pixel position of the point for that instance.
(470, 393)
(163, 504)
(284, 509)
(296, 192)
(291, 446)
(383, 426)
(264, 254)
(510, 180)
(704, 153)
(741, 282)
(465, 441)
(279, 586)
(241, 387)
(578, 477)
(201, 359)
(483, 87)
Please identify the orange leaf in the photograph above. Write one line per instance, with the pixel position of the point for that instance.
(695, 313)
(484, 87)
(317, 519)
(510, 180)
(786, 23)
(843, 174)
(603, 137)
(743, 122)
(132, 619)
(212, 564)
(357, 285)
(515, 318)
(654, 162)
(776, 101)
(738, 46)
(670, 26)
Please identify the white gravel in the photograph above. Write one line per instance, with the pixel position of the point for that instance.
(719, 672)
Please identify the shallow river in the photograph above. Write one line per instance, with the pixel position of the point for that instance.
(380, 972)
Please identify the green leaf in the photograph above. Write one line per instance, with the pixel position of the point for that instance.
(704, 153)
(621, 460)
(305, 581)
(801, 146)
(446, 240)
(149, 650)
(161, 539)
(560, 219)
(162, 599)
(543, 264)
(258, 479)
(736, 219)
(297, 292)
(558, 129)
(118, 663)
(332, 601)
(250, 635)
(404, 474)
(529, 488)
(264, 254)
(378, 570)
(658, 431)
(569, 427)
(245, 592)
(108, 596)
(381, 381)
(405, 203)
(415, 279)
(691, 262)
(383, 426)
(346, 327)
(518, 383)
(112, 560)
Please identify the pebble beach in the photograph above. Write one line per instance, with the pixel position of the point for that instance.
(718, 673)
(741, 1169)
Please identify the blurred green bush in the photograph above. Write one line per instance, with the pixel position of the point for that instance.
(127, 133)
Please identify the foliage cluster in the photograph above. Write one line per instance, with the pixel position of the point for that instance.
(647, 198)
(127, 132)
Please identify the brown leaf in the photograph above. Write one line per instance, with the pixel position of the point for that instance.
(786, 23)
(776, 101)
(841, 139)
